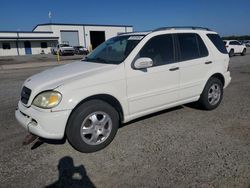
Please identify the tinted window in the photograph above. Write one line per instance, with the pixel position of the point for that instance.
(6, 46)
(203, 52)
(216, 40)
(114, 50)
(188, 46)
(233, 43)
(160, 49)
(44, 45)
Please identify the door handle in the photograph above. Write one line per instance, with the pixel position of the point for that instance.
(174, 69)
(208, 62)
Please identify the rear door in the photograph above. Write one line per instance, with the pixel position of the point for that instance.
(195, 62)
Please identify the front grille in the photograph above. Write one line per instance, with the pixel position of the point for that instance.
(25, 95)
(68, 51)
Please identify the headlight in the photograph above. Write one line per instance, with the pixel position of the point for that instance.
(47, 99)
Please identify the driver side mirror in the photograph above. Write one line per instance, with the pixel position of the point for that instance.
(143, 63)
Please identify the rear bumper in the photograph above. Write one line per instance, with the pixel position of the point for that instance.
(227, 78)
(47, 124)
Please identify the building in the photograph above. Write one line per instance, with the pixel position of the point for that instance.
(44, 36)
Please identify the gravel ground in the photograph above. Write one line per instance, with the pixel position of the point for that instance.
(180, 147)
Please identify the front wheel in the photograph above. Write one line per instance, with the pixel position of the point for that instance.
(92, 126)
(212, 94)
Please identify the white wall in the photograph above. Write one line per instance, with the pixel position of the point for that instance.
(35, 48)
(109, 31)
(43, 28)
(84, 31)
(58, 28)
(8, 52)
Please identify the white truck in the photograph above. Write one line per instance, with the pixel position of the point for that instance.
(63, 49)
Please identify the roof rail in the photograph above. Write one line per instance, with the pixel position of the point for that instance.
(182, 27)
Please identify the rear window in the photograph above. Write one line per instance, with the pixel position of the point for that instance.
(191, 46)
(216, 40)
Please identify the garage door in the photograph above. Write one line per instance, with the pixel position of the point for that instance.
(70, 37)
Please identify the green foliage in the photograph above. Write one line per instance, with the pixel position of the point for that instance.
(245, 37)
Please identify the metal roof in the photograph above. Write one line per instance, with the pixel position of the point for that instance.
(70, 24)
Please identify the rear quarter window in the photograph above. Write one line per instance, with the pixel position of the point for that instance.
(191, 46)
(218, 43)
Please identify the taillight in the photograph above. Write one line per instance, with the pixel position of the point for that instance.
(226, 46)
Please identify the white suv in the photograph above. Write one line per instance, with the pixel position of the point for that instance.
(126, 77)
(235, 47)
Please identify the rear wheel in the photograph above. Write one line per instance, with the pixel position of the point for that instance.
(92, 126)
(212, 94)
(231, 53)
(244, 52)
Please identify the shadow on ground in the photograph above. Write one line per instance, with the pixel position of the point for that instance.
(71, 176)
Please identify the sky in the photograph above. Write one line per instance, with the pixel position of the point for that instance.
(227, 17)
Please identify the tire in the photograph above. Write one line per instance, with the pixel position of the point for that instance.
(212, 94)
(244, 52)
(231, 53)
(85, 130)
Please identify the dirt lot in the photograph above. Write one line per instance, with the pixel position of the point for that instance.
(180, 147)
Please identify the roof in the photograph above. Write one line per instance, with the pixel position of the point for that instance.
(135, 33)
(77, 24)
(26, 32)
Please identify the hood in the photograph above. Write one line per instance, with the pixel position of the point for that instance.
(67, 48)
(55, 77)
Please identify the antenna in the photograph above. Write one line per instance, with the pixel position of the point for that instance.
(50, 17)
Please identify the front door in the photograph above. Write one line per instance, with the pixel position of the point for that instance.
(27, 47)
(155, 87)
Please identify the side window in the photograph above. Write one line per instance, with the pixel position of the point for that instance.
(218, 43)
(160, 49)
(6, 46)
(44, 45)
(202, 47)
(189, 48)
(237, 43)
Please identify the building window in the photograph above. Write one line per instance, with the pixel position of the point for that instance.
(44, 45)
(6, 46)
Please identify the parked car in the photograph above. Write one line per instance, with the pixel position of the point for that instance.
(235, 47)
(80, 50)
(63, 49)
(126, 77)
(247, 43)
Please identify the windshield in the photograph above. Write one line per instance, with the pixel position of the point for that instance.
(64, 45)
(114, 50)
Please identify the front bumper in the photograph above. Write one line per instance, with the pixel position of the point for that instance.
(45, 124)
(227, 78)
(67, 52)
